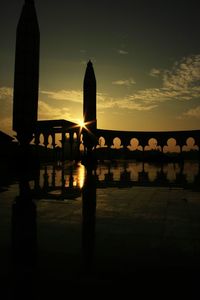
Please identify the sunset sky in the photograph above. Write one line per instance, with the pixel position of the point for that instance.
(146, 57)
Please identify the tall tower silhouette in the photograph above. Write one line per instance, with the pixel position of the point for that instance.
(89, 106)
(26, 77)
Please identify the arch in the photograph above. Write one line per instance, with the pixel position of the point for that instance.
(172, 146)
(81, 138)
(41, 139)
(75, 136)
(67, 135)
(58, 138)
(190, 144)
(102, 142)
(152, 144)
(117, 143)
(134, 144)
(50, 141)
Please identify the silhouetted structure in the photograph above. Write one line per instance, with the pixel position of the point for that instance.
(49, 128)
(26, 104)
(6, 143)
(26, 78)
(89, 108)
(92, 136)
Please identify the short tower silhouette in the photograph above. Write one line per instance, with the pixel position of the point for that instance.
(26, 77)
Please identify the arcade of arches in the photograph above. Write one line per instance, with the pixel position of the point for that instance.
(69, 134)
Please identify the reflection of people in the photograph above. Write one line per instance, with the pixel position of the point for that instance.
(88, 218)
(24, 242)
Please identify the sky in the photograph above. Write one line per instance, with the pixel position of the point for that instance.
(146, 57)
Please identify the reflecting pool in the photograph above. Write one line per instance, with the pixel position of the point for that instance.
(122, 222)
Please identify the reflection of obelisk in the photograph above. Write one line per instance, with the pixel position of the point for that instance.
(89, 107)
(26, 78)
(24, 241)
(89, 219)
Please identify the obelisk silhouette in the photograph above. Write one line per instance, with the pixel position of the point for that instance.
(89, 107)
(26, 77)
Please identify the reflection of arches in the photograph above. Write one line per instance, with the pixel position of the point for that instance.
(81, 147)
(171, 146)
(135, 168)
(152, 171)
(116, 143)
(190, 171)
(171, 170)
(190, 145)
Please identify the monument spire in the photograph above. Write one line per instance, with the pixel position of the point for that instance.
(89, 96)
(89, 108)
(26, 77)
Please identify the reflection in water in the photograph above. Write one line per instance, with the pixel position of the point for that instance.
(88, 219)
(191, 171)
(24, 241)
(66, 182)
(69, 182)
(76, 177)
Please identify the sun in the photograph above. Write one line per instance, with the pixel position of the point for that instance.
(81, 123)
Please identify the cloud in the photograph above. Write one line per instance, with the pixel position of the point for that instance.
(126, 103)
(48, 112)
(6, 125)
(193, 113)
(69, 95)
(106, 102)
(6, 92)
(127, 82)
(122, 52)
(155, 72)
(184, 76)
(83, 62)
(181, 83)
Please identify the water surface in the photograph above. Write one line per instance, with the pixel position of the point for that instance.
(120, 222)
